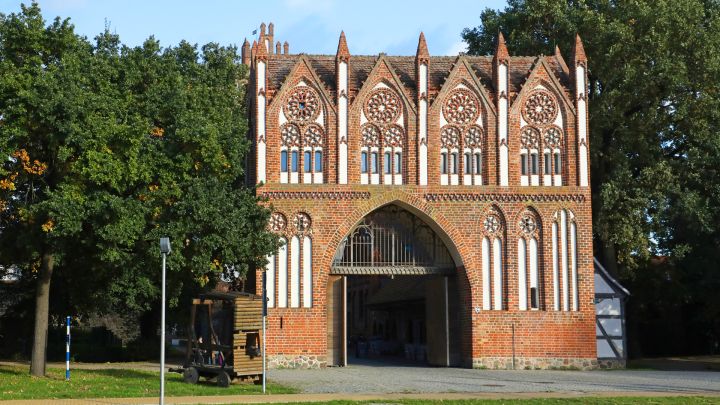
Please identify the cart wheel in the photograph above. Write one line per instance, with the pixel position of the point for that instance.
(223, 379)
(191, 375)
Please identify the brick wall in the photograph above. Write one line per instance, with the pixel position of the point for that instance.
(542, 338)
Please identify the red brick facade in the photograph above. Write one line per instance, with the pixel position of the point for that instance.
(546, 337)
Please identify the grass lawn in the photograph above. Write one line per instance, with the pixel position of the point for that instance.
(551, 401)
(16, 383)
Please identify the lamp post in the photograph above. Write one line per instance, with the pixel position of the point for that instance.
(264, 317)
(165, 250)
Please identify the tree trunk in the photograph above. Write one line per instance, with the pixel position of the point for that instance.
(42, 304)
(610, 259)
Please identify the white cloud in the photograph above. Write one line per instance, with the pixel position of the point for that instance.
(456, 48)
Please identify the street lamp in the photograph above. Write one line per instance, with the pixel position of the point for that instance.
(165, 250)
(264, 317)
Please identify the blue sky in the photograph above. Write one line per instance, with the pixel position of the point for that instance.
(310, 26)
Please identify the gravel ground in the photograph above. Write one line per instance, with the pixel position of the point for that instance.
(370, 377)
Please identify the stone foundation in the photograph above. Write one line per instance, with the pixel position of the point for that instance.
(299, 361)
(608, 364)
(535, 363)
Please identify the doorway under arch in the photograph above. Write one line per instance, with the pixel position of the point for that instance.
(392, 292)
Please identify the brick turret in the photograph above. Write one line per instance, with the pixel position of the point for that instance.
(245, 53)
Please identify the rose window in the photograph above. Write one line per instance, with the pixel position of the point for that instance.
(553, 137)
(301, 222)
(540, 108)
(530, 138)
(473, 137)
(383, 106)
(277, 222)
(527, 224)
(461, 107)
(290, 135)
(313, 135)
(370, 135)
(492, 223)
(394, 136)
(450, 137)
(303, 104)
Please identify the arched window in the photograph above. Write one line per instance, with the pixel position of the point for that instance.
(529, 146)
(307, 161)
(552, 144)
(541, 140)
(450, 147)
(493, 228)
(564, 257)
(382, 137)
(462, 138)
(318, 161)
(282, 276)
(528, 261)
(303, 112)
(307, 272)
(283, 161)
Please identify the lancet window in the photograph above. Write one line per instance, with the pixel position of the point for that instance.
(302, 137)
(289, 270)
(461, 139)
(529, 265)
(382, 139)
(541, 141)
(492, 250)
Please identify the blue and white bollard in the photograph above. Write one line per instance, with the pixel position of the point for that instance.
(67, 349)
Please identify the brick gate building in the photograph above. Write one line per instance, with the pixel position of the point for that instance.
(433, 205)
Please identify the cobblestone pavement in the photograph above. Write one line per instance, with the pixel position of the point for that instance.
(368, 377)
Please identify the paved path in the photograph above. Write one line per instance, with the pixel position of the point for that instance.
(293, 398)
(374, 378)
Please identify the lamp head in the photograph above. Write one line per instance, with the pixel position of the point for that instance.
(165, 245)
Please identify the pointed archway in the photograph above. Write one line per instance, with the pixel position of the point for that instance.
(392, 291)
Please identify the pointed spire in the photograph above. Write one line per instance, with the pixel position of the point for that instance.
(262, 29)
(277, 47)
(579, 56)
(561, 60)
(271, 29)
(286, 48)
(262, 50)
(422, 55)
(253, 50)
(501, 52)
(343, 54)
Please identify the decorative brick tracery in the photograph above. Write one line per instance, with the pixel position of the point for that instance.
(540, 108)
(303, 104)
(461, 107)
(383, 106)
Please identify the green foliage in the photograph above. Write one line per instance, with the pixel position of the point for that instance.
(654, 69)
(113, 147)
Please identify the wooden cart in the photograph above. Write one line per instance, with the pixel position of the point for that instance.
(224, 338)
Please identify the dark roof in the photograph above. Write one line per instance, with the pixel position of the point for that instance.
(360, 66)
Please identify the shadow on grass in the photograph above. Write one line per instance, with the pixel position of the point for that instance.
(124, 374)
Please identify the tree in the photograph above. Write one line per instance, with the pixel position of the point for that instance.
(111, 147)
(654, 69)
